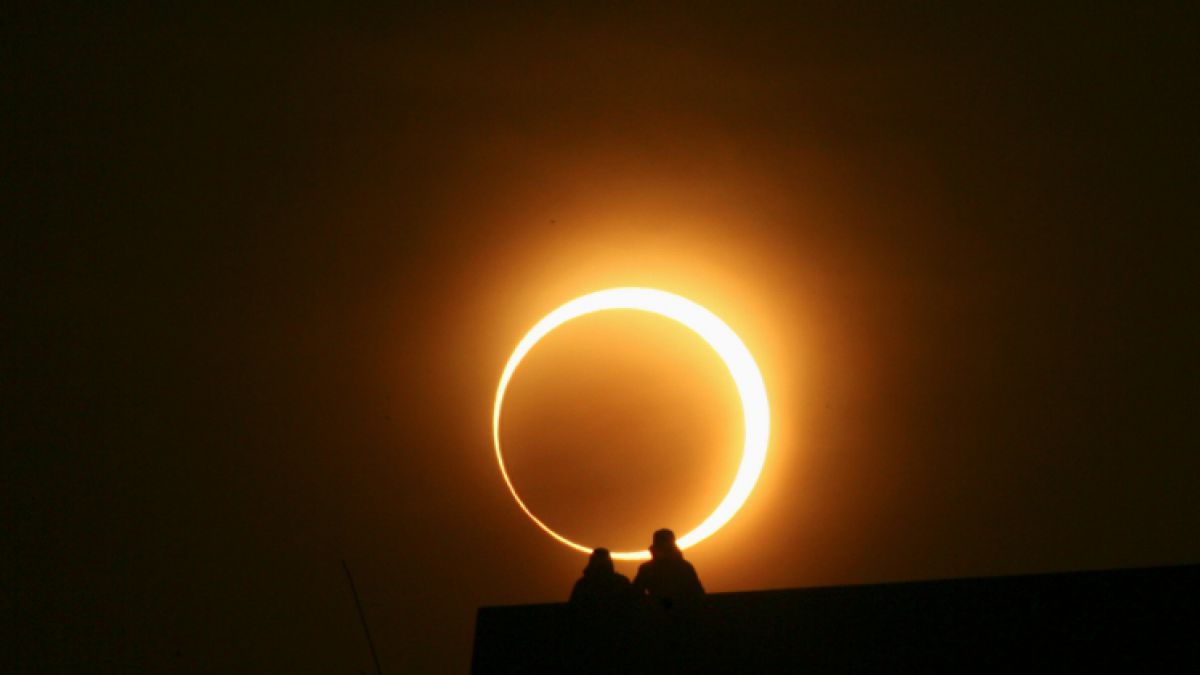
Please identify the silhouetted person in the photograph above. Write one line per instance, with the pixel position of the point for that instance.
(667, 578)
(600, 602)
(600, 585)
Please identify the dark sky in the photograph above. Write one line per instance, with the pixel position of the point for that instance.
(261, 272)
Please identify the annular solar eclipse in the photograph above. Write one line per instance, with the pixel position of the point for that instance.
(746, 376)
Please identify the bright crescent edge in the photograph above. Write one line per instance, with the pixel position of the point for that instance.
(720, 337)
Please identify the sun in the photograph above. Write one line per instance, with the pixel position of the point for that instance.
(720, 337)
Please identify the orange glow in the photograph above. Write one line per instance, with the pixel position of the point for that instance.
(720, 337)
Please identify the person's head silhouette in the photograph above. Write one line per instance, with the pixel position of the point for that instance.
(664, 546)
(599, 564)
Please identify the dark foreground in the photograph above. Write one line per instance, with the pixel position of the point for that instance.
(1137, 620)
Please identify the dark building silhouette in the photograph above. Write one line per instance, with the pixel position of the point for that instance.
(1136, 621)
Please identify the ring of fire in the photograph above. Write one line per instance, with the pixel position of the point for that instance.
(712, 330)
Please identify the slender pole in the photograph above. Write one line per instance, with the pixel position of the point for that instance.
(363, 618)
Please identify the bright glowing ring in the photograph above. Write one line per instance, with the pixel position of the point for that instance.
(720, 337)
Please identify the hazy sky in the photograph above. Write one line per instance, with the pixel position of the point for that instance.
(262, 271)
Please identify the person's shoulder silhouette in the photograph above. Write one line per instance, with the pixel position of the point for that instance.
(667, 578)
(600, 585)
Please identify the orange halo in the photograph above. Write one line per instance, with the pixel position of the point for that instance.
(720, 337)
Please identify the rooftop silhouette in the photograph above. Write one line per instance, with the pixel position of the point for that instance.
(1137, 620)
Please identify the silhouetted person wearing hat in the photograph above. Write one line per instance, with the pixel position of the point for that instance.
(667, 578)
(601, 586)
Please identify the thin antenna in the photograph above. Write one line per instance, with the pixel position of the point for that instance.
(363, 618)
